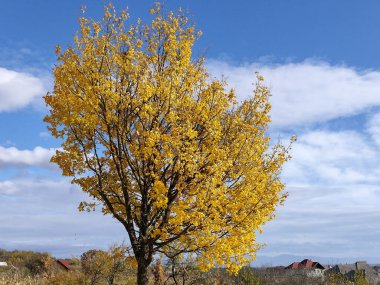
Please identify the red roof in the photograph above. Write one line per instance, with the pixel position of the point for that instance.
(64, 264)
(305, 264)
(294, 265)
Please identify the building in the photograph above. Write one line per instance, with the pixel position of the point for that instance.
(311, 268)
(349, 270)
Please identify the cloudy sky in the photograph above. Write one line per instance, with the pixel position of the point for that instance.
(321, 61)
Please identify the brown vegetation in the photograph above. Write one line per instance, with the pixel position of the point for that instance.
(116, 267)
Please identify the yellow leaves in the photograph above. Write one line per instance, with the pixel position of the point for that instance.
(86, 206)
(107, 13)
(156, 9)
(159, 194)
(57, 49)
(96, 28)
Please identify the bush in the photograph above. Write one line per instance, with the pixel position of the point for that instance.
(247, 276)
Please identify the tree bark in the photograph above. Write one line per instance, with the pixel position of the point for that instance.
(142, 271)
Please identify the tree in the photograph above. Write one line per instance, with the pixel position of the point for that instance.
(117, 262)
(360, 278)
(108, 265)
(183, 271)
(94, 265)
(34, 262)
(337, 279)
(163, 147)
(159, 273)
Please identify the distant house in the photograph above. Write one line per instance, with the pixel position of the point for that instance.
(349, 270)
(63, 264)
(312, 268)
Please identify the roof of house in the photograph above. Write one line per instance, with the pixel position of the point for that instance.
(305, 264)
(294, 265)
(345, 268)
(359, 265)
(64, 264)
(362, 265)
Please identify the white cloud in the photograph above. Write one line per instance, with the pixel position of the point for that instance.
(8, 187)
(43, 215)
(327, 221)
(306, 92)
(38, 156)
(332, 210)
(18, 89)
(333, 158)
(373, 127)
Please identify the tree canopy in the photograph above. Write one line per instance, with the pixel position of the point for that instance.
(162, 145)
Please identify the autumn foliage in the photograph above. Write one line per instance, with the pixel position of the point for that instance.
(163, 146)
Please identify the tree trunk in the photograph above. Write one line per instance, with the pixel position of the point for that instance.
(142, 271)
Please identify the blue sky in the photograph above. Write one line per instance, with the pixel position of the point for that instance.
(320, 59)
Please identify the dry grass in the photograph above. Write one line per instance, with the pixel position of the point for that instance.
(12, 278)
(63, 278)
